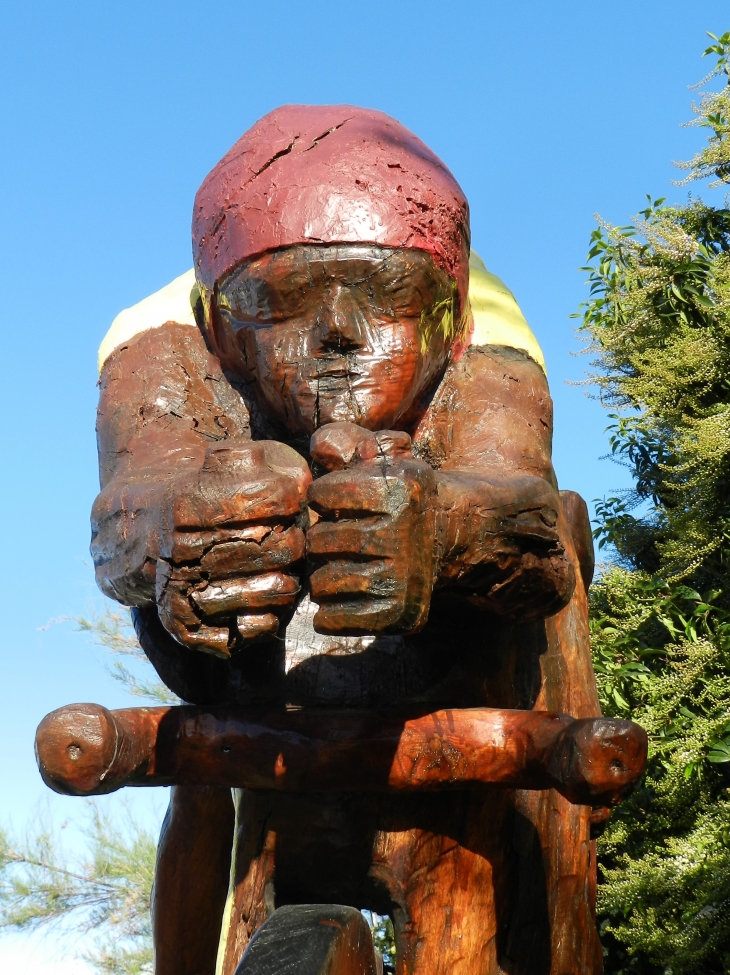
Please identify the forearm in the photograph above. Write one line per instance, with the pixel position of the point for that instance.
(499, 545)
(163, 402)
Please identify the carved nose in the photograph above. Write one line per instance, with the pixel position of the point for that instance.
(341, 322)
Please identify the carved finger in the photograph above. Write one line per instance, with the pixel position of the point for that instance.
(187, 546)
(261, 500)
(191, 545)
(337, 579)
(280, 548)
(238, 461)
(336, 446)
(357, 616)
(394, 444)
(265, 591)
(347, 494)
(170, 591)
(373, 540)
(176, 605)
(177, 617)
(255, 626)
(340, 446)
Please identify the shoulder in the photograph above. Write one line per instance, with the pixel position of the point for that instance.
(173, 303)
(492, 412)
(498, 319)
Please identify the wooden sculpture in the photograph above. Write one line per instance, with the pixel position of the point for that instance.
(329, 498)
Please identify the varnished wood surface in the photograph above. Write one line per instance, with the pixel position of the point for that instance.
(311, 939)
(191, 879)
(482, 500)
(87, 750)
(478, 880)
(433, 529)
(577, 516)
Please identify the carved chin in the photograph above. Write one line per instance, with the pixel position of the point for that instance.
(319, 402)
(330, 399)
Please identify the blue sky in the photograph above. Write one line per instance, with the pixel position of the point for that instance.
(112, 114)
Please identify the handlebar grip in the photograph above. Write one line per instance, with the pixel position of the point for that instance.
(84, 749)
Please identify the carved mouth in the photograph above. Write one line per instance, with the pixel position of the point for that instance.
(337, 370)
(334, 383)
(336, 377)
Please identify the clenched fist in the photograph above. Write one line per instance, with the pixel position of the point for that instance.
(373, 548)
(231, 546)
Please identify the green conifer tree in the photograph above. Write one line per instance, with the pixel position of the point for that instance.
(658, 319)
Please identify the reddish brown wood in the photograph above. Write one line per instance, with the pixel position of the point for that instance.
(523, 864)
(477, 881)
(194, 856)
(153, 424)
(425, 519)
(480, 521)
(232, 546)
(87, 750)
(576, 514)
(372, 550)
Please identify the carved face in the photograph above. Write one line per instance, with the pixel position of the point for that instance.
(335, 332)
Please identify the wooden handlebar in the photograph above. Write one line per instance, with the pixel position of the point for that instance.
(85, 750)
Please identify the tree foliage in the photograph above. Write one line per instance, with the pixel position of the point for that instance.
(113, 630)
(381, 928)
(713, 113)
(105, 893)
(658, 319)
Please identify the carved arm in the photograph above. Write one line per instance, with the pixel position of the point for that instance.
(193, 515)
(489, 436)
(163, 401)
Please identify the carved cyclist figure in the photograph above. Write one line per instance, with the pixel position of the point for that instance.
(327, 486)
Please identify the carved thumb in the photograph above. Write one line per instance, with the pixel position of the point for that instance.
(340, 446)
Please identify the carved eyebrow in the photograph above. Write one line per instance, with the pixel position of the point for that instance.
(287, 281)
(302, 278)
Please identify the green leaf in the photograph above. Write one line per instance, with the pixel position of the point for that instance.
(719, 752)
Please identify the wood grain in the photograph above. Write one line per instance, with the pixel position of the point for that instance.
(391, 664)
(87, 750)
(197, 861)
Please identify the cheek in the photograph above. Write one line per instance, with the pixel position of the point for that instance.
(278, 361)
(272, 354)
